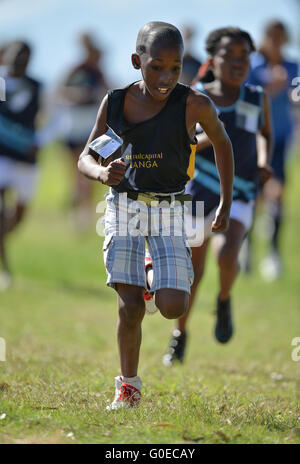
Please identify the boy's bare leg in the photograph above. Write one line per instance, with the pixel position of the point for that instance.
(3, 256)
(177, 344)
(129, 331)
(12, 221)
(198, 260)
(271, 266)
(226, 247)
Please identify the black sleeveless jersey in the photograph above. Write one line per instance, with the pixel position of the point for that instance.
(162, 155)
(242, 121)
(17, 118)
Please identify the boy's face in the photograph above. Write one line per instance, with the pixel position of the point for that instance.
(161, 68)
(231, 62)
(277, 37)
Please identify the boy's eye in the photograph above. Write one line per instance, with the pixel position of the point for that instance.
(156, 67)
(229, 56)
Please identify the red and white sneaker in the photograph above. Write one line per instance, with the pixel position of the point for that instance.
(127, 395)
(149, 299)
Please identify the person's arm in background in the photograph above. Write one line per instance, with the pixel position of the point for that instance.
(265, 143)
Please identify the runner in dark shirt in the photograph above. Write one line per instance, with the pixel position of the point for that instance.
(18, 149)
(80, 95)
(244, 111)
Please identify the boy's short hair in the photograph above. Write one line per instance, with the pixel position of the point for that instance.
(214, 38)
(157, 31)
(276, 24)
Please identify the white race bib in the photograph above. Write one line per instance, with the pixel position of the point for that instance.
(247, 116)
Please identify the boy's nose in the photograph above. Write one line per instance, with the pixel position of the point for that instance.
(238, 62)
(165, 79)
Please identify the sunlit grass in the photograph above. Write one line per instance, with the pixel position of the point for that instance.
(59, 321)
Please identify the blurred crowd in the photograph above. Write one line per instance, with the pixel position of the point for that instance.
(28, 123)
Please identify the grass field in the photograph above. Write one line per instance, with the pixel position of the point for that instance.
(59, 322)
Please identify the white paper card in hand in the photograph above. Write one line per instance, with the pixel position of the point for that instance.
(106, 144)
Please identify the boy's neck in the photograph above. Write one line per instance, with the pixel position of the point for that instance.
(139, 104)
(147, 98)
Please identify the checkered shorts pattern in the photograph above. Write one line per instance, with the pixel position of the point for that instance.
(124, 253)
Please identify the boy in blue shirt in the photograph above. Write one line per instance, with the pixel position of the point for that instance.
(275, 74)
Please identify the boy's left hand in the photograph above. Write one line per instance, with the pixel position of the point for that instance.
(265, 173)
(221, 221)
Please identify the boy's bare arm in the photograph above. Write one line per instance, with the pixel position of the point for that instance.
(265, 144)
(88, 160)
(202, 110)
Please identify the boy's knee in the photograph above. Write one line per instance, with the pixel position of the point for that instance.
(172, 312)
(131, 313)
(172, 307)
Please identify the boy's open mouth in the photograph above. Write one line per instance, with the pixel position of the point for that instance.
(163, 90)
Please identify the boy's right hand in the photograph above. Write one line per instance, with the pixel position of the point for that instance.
(221, 221)
(113, 173)
(265, 172)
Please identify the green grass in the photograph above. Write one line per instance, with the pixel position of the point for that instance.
(59, 321)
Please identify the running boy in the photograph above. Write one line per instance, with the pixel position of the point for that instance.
(244, 111)
(157, 116)
(275, 74)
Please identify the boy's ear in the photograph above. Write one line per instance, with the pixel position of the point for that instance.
(135, 60)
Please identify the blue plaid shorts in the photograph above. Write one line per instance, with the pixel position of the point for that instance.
(129, 225)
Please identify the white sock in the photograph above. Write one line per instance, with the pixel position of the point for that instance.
(134, 381)
(129, 379)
